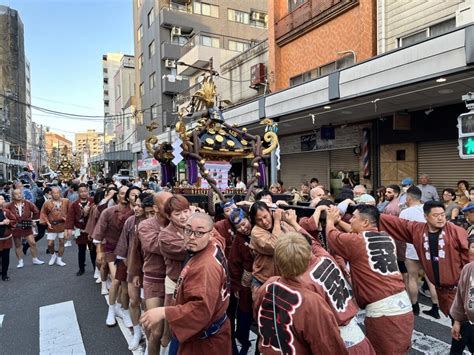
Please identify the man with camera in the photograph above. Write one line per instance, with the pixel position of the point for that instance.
(24, 212)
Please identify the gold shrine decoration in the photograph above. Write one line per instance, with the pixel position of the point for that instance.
(272, 138)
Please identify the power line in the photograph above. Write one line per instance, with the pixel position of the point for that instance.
(79, 116)
(62, 102)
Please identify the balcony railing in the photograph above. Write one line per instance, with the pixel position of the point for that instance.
(212, 40)
(310, 14)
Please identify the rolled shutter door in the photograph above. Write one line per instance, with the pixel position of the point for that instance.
(296, 168)
(441, 161)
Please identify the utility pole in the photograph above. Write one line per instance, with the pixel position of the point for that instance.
(4, 128)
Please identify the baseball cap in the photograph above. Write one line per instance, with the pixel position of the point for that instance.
(407, 181)
(469, 207)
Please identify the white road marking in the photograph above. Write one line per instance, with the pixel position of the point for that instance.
(126, 332)
(1, 319)
(59, 330)
(429, 345)
(443, 320)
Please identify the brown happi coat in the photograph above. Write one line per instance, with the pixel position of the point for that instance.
(29, 213)
(171, 243)
(462, 308)
(130, 227)
(375, 276)
(226, 230)
(201, 298)
(240, 267)
(6, 236)
(76, 218)
(154, 269)
(110, 225)
(452, 258)
(304, 322)
(55, 213)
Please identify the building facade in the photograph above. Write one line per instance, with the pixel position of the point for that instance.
(310, 39)
(404, 23)
(376, 119)
(124, 101)
(13, 82)
(54, 146)
(110, 64)
(170, 31)
(88, 144)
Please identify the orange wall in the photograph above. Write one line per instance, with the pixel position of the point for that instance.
(353, 30)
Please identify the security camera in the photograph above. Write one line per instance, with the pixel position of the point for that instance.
(427, 112)
(469, 100)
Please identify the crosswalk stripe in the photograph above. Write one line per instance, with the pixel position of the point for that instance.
(1, 319)
(59, 330)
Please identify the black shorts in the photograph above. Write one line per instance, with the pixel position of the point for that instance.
(402, 267)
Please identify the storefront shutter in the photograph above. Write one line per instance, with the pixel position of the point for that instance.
(440, 160)
(296, 168)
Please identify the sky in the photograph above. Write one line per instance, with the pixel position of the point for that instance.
(64, 43)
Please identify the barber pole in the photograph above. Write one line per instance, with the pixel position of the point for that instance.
(366, 153)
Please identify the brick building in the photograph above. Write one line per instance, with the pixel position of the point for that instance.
(310, 39)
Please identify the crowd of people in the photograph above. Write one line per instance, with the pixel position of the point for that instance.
(191, 283)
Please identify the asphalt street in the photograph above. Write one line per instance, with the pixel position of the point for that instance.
(37, 286)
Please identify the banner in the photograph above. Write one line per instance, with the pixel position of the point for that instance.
(148, 164)
(219, 171)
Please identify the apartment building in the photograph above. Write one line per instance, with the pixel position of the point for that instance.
(171, 31)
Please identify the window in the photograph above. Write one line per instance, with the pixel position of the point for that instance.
(151, 17)
(293, 4)
(154, 111)
(238, 16)
(152, 80)
(128, 122)
(327, 69)
(180, 7)
(412, 39)
(238, 46)
(443, 27)
(210, 41)
(142, 89)
(151, 49)
(432, 31)
(180, 40)
(201, 8)
(140, 33)
(140, 62)
(258, 19)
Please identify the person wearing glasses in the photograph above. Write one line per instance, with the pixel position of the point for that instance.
(198, 320)
(452, 208)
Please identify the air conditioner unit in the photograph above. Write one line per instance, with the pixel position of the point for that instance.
(257, 74)
(170, 63)
(176, 31)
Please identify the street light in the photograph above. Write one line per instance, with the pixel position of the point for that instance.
(349, 51)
